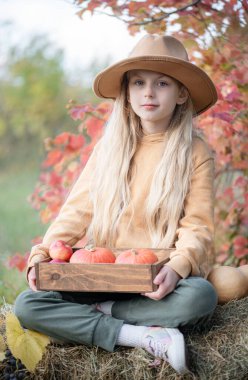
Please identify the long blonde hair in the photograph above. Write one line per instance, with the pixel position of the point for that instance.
(110, 190)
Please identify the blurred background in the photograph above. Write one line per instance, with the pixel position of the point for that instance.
(50, 51)
(48, 55)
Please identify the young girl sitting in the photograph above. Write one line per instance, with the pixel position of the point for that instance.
(148, 183)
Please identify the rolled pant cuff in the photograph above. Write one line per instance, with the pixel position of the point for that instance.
(106, 332)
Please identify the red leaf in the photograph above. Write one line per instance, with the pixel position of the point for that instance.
(224, 116)
(76, 142)
(18, 261)
(240, 245)
(240, 181)
(78, 112)
(54, 179)
(53, 158)
(104, 108)
(62, 139)
(94, 127)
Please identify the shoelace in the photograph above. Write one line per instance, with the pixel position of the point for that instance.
(158, 349)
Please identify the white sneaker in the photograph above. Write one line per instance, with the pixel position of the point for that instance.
(167, 344)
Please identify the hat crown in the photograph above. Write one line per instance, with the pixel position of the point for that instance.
(162, 54)
(156, 45)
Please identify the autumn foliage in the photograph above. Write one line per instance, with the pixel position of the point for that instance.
(217, 30)
(67, 154)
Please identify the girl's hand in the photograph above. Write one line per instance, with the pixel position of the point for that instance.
(167, 280)
(32, 279)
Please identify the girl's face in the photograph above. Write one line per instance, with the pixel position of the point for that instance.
(153, 97)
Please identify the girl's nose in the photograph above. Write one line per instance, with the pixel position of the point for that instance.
(149, 91)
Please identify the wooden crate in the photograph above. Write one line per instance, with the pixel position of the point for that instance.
(128, 278)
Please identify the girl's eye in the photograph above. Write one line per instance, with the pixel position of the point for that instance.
(138, 82)
(162, 83)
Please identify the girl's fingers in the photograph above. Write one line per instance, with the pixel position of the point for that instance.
(160, 293)
(159, 278)
(166, 280)
(154, 296)
(32, 280)
(32, 285)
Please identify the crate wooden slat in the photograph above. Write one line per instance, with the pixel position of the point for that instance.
(128, 278)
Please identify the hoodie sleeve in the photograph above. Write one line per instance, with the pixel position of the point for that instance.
(195, 233)
(74, 218)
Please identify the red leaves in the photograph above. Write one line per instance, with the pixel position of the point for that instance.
(94, 128)
(78, 112)
(93, 118)
(62, 139)
(137, 7)
(69, 141)
(232, 217)
(54, 179)
(52, 158)
(76, 142)
(18, 261)
(66, 157)
(240, 246)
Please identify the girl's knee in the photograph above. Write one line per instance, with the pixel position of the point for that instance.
(27, 304)
(23, 304)
(208, 293)
(199, 295)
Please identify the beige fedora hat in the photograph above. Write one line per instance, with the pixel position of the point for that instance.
(164, 54)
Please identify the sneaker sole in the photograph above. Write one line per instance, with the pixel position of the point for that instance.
(178, 351)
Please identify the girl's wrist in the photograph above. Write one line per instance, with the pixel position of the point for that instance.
(180, 265)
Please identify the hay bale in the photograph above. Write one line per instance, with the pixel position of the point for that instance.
(219, 351)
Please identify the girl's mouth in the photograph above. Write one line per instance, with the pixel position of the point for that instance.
(149, 106)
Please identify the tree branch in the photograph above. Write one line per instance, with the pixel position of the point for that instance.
(151, 19)
(209, 30)
(166, 14)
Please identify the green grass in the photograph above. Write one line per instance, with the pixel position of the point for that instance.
(12, 282)
(19, 223)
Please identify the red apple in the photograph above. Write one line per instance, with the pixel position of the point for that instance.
(58, 261)
(60, 250)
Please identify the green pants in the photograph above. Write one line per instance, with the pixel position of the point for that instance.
(71, 317)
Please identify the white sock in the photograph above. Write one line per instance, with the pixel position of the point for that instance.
(131, 336)
(105, 307)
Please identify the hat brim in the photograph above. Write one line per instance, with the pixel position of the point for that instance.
(203, 93)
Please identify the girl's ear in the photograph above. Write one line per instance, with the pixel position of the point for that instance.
(183, 95)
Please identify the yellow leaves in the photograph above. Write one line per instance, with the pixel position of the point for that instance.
(26, 345)
(2, 356)
(2, 348)
(2, 344)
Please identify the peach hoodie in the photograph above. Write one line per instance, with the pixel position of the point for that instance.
(194, 237)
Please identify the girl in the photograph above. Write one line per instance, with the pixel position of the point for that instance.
(148, 183)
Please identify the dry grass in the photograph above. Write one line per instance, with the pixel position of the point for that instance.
(217, 352)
